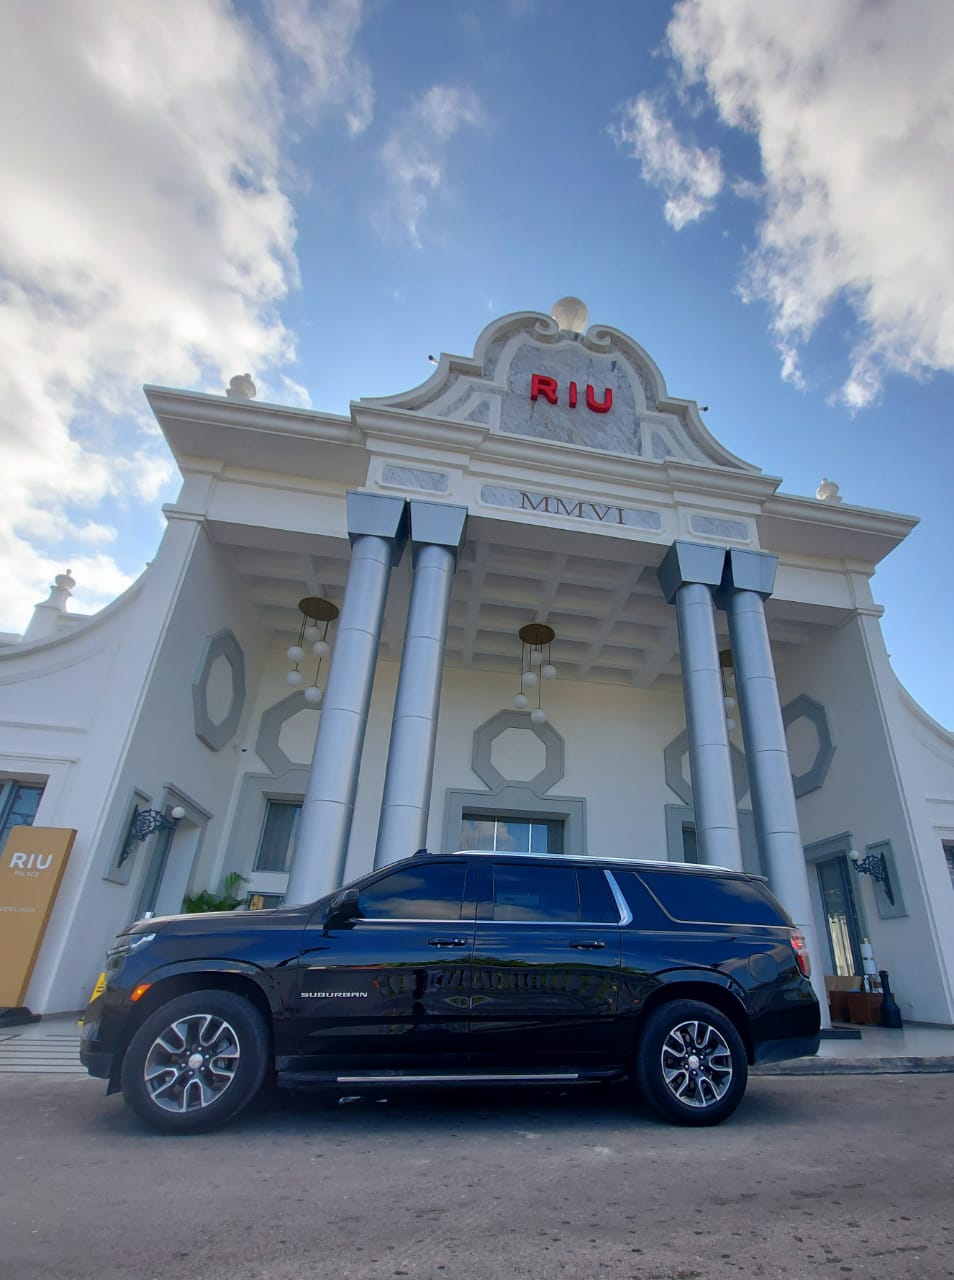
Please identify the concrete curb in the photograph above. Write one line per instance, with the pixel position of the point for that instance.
(855, 1067)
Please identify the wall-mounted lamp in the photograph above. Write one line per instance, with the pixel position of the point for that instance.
(535, 666)
(876, 866)
(145, 822)
(316, 617)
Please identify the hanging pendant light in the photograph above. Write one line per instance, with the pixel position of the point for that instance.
(316, 617)
(535, 667)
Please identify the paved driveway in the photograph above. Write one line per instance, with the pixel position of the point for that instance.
(813, 1177)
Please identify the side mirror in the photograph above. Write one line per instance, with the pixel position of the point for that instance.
(342, 909)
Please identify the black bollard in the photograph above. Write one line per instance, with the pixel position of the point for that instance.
(890, 1013)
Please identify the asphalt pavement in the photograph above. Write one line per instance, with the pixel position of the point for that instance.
(823, 1177)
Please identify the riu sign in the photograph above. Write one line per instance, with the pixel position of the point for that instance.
(549, 390)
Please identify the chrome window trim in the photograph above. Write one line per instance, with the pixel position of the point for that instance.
(458, 920)
(625, 915)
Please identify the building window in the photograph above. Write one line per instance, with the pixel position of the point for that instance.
(690, 842)
(511, 835)
(948, 846)
(19, 802)
(276, 844)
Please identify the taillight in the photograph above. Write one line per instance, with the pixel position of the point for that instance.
(802, 958)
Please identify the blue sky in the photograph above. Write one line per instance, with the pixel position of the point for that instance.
(324, 193)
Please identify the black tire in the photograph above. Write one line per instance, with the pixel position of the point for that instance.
(196, 1061)
(691, 1063)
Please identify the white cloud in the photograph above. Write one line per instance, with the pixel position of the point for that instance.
(321, 36)
(414, 154)
(853, 108)
(690, 177)
(144, 235)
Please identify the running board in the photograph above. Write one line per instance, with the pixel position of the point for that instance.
(474, 1077)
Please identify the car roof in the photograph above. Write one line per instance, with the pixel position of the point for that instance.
(623, 864)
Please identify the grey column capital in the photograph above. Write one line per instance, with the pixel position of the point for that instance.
(690, 562)
(747, 571)
(380, 516)
(437, 524)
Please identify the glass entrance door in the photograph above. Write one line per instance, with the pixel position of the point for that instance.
(841, 919)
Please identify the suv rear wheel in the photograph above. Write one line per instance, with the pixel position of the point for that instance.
(691, 1063)
(196, 1061)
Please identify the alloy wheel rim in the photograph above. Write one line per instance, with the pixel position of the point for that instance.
(696, 1064)
(191, 1063)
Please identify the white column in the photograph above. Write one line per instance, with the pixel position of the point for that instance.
(437, 532)
(377, 528)
(687, 575)
(750, 577)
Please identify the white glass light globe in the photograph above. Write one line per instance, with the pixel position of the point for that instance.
(528, 679)
(520, 701)
(294, 678)
(536, 657)
(730, 725)
(729, 704)
(322, 648)
(311, 632)
(548, 671)
(538, 715)
(313, 695)
(294, 653)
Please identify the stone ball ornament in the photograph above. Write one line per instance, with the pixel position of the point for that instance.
(571, 313)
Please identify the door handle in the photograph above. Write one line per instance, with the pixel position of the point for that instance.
(447, 942)
(588, 945)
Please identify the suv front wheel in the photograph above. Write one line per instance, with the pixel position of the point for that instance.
(196, 1061)
(691, 1064)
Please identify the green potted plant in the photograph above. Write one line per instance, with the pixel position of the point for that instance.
(224, 901)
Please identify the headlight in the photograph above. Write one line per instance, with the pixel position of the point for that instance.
(125, 946)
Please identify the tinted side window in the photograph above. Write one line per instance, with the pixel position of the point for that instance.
(597, 904)
(712, 899)
(433, 891)
(647, 913)
(535, 893)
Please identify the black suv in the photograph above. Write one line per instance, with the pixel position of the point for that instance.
(462, 967)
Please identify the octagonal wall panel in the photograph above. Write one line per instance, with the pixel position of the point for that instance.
(804, 707)
(267, 744)
(216, 733)
(490, 775)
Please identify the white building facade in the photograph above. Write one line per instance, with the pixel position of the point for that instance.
(722, 691)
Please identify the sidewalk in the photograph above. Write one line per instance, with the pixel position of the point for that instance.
(915, 1048)
(51, 1046)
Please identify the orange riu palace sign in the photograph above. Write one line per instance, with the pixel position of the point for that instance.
(31, 868)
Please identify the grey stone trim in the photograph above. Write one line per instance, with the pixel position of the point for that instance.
(805, 707)
(886, 910)
(677, 814)
(517, 800)
(380, 516)
(493, 779)
(215, 735)
(257, 789)
(750, 571)
(677, 781)
(690, 562)
(437, 524)
(714, 527)
(269, 730)
(415, 478)
(830, 847)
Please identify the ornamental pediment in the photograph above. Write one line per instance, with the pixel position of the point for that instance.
(596, 389)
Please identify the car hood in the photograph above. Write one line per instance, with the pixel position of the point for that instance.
(206, 922)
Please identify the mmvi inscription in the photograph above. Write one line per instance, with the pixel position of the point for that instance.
(604, 513)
